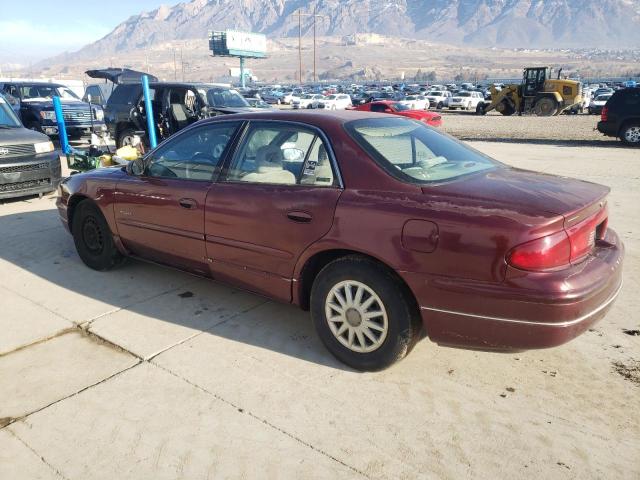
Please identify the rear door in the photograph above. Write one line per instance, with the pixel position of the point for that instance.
(160, 214)
(277, 197)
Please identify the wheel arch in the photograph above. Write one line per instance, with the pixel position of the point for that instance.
(73, 202)
(316, 262)
(626, 122)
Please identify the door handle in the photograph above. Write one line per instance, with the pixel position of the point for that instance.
(299, 217)
(188, 203)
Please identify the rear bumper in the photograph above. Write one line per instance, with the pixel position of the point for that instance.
(30, 175)
(607, 128)
(528, 310)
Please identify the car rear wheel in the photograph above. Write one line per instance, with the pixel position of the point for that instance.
(362, 314)
(92, 237)
(630, 134)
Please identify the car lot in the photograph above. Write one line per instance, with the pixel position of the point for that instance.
(145, 372)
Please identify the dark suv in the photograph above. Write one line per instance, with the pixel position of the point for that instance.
(175, 106)
(621, 116)
(36, 108)
(28, 162)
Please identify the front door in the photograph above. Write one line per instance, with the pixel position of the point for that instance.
(160, 214)
(277, 197)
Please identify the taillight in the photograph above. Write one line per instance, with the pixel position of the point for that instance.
(544, 253)
(562, 248)
(604, 115)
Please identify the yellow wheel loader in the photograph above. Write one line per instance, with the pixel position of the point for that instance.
(538, 94)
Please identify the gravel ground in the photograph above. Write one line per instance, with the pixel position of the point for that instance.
(563, 129)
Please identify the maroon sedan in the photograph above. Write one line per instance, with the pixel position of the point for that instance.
(378, 224)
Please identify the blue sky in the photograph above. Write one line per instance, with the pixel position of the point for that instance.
(36, 29)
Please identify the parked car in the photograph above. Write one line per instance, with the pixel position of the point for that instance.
(439, 98)
(307, 101)
(289, 97)
(29, 164)
(595, 107)
(466, 101)
(37, 113)
(273, 97)
(378, 224)
(258, 103)
(398, 108)
(338, 101)
(175, 106)
(415, 102)
(621, 116)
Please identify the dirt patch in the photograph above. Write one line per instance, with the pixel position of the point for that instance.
(629, 370)
(4, 421)
(633, 333)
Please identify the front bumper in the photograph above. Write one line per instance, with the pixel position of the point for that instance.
(74, 129)
(29, 175)
(528, 310)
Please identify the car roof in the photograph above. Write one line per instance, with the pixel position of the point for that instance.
(44, 84)
(316, 118)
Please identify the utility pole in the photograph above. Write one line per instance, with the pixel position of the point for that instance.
(300, 44)
(315, 16)
(175, 70)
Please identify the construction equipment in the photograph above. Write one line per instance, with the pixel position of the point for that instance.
(538, 94)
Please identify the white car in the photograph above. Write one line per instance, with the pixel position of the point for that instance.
(289, 97)
(336, 102)
(465, 100)
(595, 107)
(415, 102)
(307, 101)
(439, 98)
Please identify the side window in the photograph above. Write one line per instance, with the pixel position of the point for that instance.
(283, 155)
(378, 107)
(193, 156)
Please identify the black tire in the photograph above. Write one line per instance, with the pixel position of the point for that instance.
(506, 108)
(630, 134)
(403, 318)
(124, 135)
(480, 109)
(546, 107)
(439, 105)
(92, 237)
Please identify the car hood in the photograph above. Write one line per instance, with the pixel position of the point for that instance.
(20, 136)
(531, 190)
(120, 75)
(46, 103)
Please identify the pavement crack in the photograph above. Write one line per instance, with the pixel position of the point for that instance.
(264, 421)
(42, 459)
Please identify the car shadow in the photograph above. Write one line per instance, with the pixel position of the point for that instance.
(34, 243)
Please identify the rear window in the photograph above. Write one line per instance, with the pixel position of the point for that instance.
(415, 153)
(125, 94)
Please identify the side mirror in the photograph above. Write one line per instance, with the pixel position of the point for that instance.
(135, 167)
(292, 155)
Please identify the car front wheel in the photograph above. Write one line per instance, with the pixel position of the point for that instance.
(92, 237)
(362, 314)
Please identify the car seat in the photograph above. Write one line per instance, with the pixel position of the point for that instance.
(324, 173)
(270, 168)
(179, 111)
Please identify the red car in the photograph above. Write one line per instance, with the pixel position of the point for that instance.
(379, 225)
(396, 108)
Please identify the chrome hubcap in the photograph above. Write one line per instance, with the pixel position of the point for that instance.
(632, 135)
(356, 316)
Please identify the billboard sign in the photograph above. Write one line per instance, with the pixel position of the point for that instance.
(246, 44)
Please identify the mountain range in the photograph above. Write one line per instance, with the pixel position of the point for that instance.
(501, 23)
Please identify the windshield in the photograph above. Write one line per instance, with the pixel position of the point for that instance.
(415, 153)
(46, 92)
(400, 107)
(463, 94)
(8, 119)
(223, 97)
(331, 97)
(435, 94)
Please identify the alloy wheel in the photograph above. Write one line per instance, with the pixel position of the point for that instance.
(632, 134)
(356, 316)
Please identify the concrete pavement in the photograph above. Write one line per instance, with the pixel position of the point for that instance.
(146, 372)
